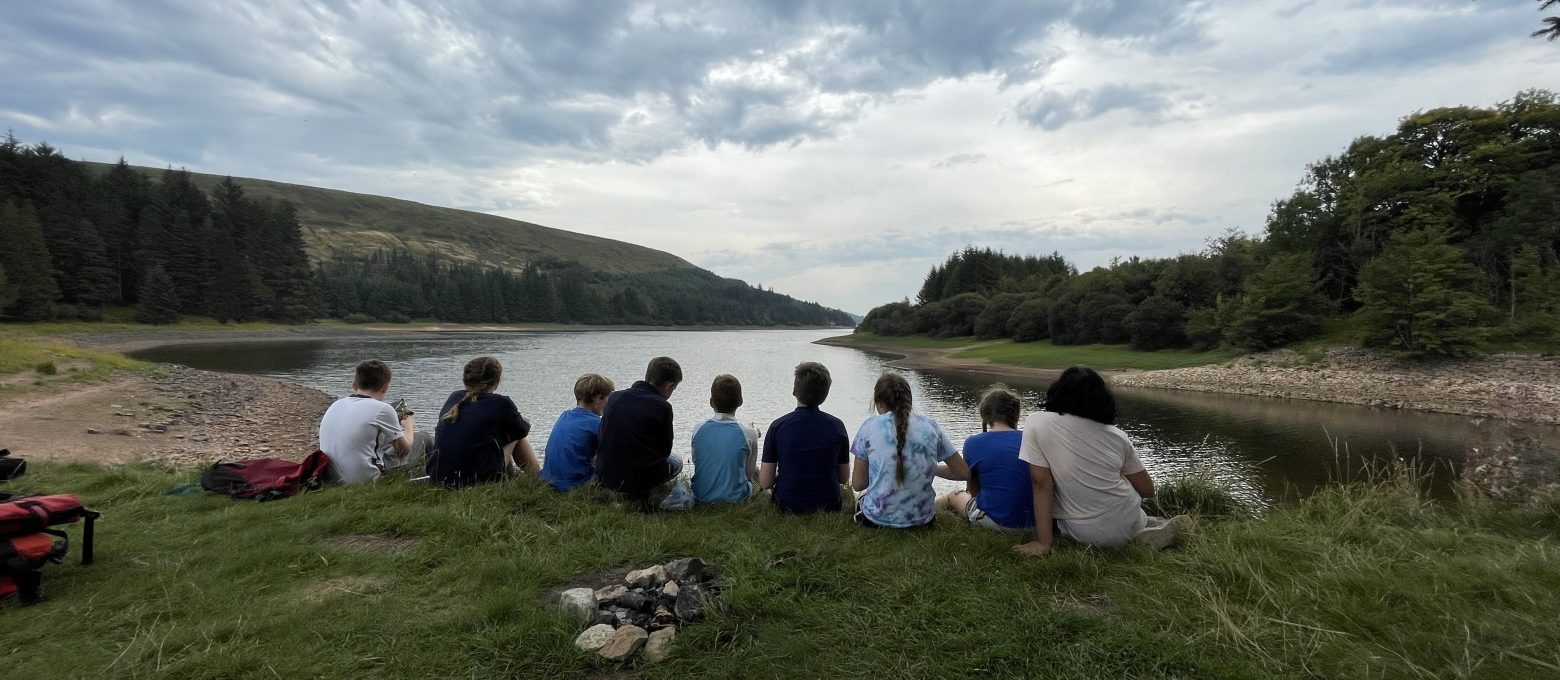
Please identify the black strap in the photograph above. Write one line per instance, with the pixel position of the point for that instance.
(29, 586)
(86, 536)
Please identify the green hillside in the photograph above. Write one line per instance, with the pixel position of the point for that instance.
(341, 224)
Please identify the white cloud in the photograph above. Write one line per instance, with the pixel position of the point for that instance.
(832, 150)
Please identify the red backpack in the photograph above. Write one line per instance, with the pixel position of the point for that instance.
(27, 542)
(266, 478)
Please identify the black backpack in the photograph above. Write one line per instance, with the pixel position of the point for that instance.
(11, 468)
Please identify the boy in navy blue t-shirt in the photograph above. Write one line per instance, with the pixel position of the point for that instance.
(807, 452)
(997, 495)
(569, 459)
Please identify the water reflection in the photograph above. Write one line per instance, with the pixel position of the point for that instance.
(1263, 449)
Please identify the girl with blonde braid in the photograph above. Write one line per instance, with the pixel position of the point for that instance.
(897, 453)
(481, 434)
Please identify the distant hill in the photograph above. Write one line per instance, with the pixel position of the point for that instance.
(342, 224)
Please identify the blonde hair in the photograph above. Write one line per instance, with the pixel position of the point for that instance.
(998, 404)
(590, 386)
(480, 376)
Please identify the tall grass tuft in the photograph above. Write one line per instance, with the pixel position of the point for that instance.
(1198, 495)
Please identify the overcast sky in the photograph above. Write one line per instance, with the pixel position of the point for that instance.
(832, 150)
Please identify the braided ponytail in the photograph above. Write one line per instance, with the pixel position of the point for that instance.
(892, 394)
(480, 376)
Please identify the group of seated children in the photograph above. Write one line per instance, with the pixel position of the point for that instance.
(1070, 470)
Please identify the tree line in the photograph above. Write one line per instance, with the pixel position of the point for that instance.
(399, 286)
(1435, 240)
(75, 240)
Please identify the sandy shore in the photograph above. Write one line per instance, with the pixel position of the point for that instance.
(1518, 387)
(175, 415)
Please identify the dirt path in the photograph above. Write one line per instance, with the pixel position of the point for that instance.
(175, 415)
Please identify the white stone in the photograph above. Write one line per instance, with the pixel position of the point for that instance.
(610, 593)
(578, 603)
(594, 638)
(670, 589)
(647, 578)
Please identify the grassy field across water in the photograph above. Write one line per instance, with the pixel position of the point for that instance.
(396, 580)
(1043, 354)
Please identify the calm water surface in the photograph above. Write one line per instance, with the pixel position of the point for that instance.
(1266, 450)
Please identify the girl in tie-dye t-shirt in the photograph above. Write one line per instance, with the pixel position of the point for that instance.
(897, 453)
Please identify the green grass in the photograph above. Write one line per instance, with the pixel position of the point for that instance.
(1046, 355)
(1351, 583)
(1043, 354)
(57, 360)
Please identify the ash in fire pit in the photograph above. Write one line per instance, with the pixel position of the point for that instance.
(643, 610)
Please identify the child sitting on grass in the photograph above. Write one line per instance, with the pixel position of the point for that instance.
(807, 452)
(997, 495)
(725, 452)
(569, 460)
(897, 455)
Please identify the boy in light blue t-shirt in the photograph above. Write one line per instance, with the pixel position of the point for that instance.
(725, 452)
(569, 459)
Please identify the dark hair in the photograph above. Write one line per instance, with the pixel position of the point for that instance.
(591, 386)
(812, 383)
(726, 393)
(892, 393)
(999, 405)
(1081, 392)
(663, 370)
(372, 375)
(480, 375)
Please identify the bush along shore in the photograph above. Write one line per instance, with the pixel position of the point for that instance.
(402, 580)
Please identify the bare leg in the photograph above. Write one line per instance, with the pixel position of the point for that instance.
(957, 501)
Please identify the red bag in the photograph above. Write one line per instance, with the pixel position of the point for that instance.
(36, 513)
(27, 542)
(20, 558)
(266, 478)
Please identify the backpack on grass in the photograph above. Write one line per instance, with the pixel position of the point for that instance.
(27, 542)
(266, 479)
(11, 468)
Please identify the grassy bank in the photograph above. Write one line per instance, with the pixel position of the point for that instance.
(31, 362)
(1042, 354)
(396, 580)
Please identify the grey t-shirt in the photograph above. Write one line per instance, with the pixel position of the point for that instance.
(358, 434)
(1089, 462)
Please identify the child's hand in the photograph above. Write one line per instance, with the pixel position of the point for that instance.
(1032, 549)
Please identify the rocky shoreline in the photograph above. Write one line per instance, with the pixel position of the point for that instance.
(172, 415)
(1515, 387)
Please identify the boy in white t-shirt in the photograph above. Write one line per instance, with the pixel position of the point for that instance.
(361, 434)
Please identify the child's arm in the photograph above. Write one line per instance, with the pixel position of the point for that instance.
(859, 479)
(766, 476)
(1043, 488)
(1142, 484)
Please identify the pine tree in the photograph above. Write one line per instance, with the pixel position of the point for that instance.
(25, 256)
(7, 291)
(90, 277)
(1418, 298)
(159, 301)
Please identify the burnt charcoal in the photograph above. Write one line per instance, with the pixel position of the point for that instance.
(690, 604)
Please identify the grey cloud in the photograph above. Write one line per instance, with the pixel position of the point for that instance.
(1052, 109)
(1439, 32)
(501, 80)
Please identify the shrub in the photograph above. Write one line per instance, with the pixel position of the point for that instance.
(1157, 323)
(1031, 321)
(47, 368)
(357, 317)
(395, 317)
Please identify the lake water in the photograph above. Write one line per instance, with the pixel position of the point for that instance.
(1265, 450)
